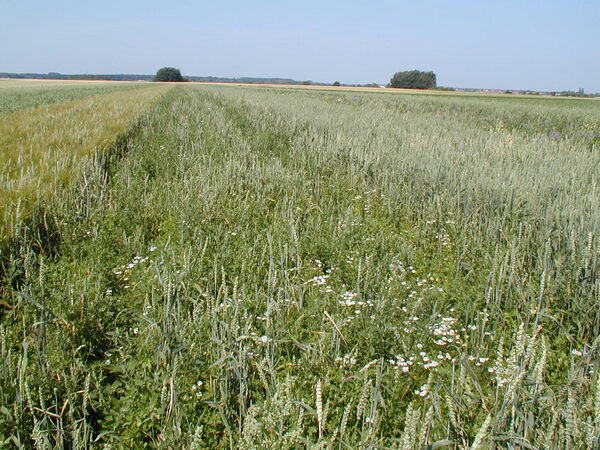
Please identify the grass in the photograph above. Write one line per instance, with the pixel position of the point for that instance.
(278, 268)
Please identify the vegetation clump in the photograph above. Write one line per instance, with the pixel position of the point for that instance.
(170, 74)
(413, 79)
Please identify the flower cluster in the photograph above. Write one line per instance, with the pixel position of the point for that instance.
(405, 277)
(125, 268)
(444, 238)
(123, 272)
(346, 361)
(400, 363)
(480, 361)
(423, 360)
(197, 388)
(322, 278)
(444, 332)
(423, 391)
(319, 280)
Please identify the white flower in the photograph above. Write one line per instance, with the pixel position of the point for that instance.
(576, 352)
(423, 391)
(347, 360)
(318, 280)
(349, 295)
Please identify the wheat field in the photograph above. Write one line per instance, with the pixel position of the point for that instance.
(266, 267)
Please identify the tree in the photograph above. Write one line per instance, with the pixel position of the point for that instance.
(336, 83)
(168, 74)
(413, 79)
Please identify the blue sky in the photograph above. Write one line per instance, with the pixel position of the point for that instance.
(528, 44)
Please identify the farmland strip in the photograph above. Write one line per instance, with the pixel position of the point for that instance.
(16, 98)
(40, 149)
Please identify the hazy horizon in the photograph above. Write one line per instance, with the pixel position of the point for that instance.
(548, 46)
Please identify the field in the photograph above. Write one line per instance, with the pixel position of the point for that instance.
(261, 267)
(43, 145)
(16, 95)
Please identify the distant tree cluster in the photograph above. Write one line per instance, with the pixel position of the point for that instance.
(60, 76)
(168, 74)
(87, 77)
(413, 79)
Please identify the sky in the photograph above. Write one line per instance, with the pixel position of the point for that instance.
(510, 44)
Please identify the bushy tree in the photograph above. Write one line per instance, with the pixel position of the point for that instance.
(168, 74)
(413, 79)
(336, 83)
